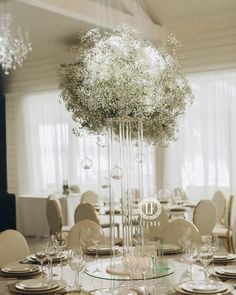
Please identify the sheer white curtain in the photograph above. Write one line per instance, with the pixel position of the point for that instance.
(48, 152)
(204, 157)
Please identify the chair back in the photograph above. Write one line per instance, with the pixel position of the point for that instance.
(73, 238)
(219, 200)
(85, 211)
(157, 226)
(54, 214)
(13, 246)
(75, 188)
(89, 197)
(173, 229)
(204, 216)
(229, 213)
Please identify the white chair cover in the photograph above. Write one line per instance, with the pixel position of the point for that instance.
(219, 200)
(172, 231)
(73, 235)
(85, 211)
(13, 246)
(89, 197)
(204, 216)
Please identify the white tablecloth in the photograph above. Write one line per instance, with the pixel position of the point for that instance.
(31, 213)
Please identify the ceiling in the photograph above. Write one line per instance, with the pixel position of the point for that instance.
(51, 28)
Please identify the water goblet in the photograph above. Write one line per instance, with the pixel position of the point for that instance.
(190, 255)
(96, 235)
(51, 252)
(84, 237)
(205, 256)
(77, 264)
(145, 265)
(40, 252)
(61, 239)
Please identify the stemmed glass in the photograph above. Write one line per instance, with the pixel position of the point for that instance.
(145, 265)
(51, 252)
(61, 238)
(205, 255)
(214, 243)
(96, 236)
(84, 237)
(77, 264)
(130, 262)
(190, 254)
(40, 252)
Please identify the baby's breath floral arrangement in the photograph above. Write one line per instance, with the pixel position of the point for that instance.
(118, 74)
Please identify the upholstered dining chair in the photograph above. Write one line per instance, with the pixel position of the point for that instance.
(13, 246)
(73, 238)
(89, 197)
(157, 226)
(172, 232)
(226, 232)
(204, 216)
(219, 200)
(87, 211)
(54, 215)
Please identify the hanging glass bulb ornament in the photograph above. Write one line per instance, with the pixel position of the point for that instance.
(116, 172)
(101, 142)
(87, 163)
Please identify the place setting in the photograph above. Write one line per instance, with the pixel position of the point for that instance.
(224, 272)
(168, 249)
(37, 286)
(19, 270)
(203, 287)
(224, 258)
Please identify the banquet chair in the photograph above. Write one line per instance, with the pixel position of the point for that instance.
(219, 200)
(73, 238)
(172, 232)
(89, 197)
(87, 211)
(74, 189)
(13, 246)
(226, 232)
(157, 226)
(204, 216)
(180, 193)
(55, 216)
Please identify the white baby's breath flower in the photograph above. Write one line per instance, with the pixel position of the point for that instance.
(118, 74)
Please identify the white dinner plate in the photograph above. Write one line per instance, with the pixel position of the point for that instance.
(114, 291)
(224, 257)
(102, 250)
(58, 257)
(200, 287)
(19, 268)
(226, 270)
(36, 285)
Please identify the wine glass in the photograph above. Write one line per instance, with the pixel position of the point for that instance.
(51, 252)
(77, 264)
(190, 254)
(96, 236)
(145, 266)
(205, 256)
(61, 239)
(214, 242)
(40, 252)
(84, 237)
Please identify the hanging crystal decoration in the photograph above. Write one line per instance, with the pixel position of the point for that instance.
(87, 163)
(13, 49)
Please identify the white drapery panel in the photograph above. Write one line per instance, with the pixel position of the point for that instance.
(204, 157)
(48, 152)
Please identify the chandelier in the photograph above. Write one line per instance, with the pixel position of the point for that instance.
(13, 48)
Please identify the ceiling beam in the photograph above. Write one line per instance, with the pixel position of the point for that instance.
(155, 31)
(94, 13)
